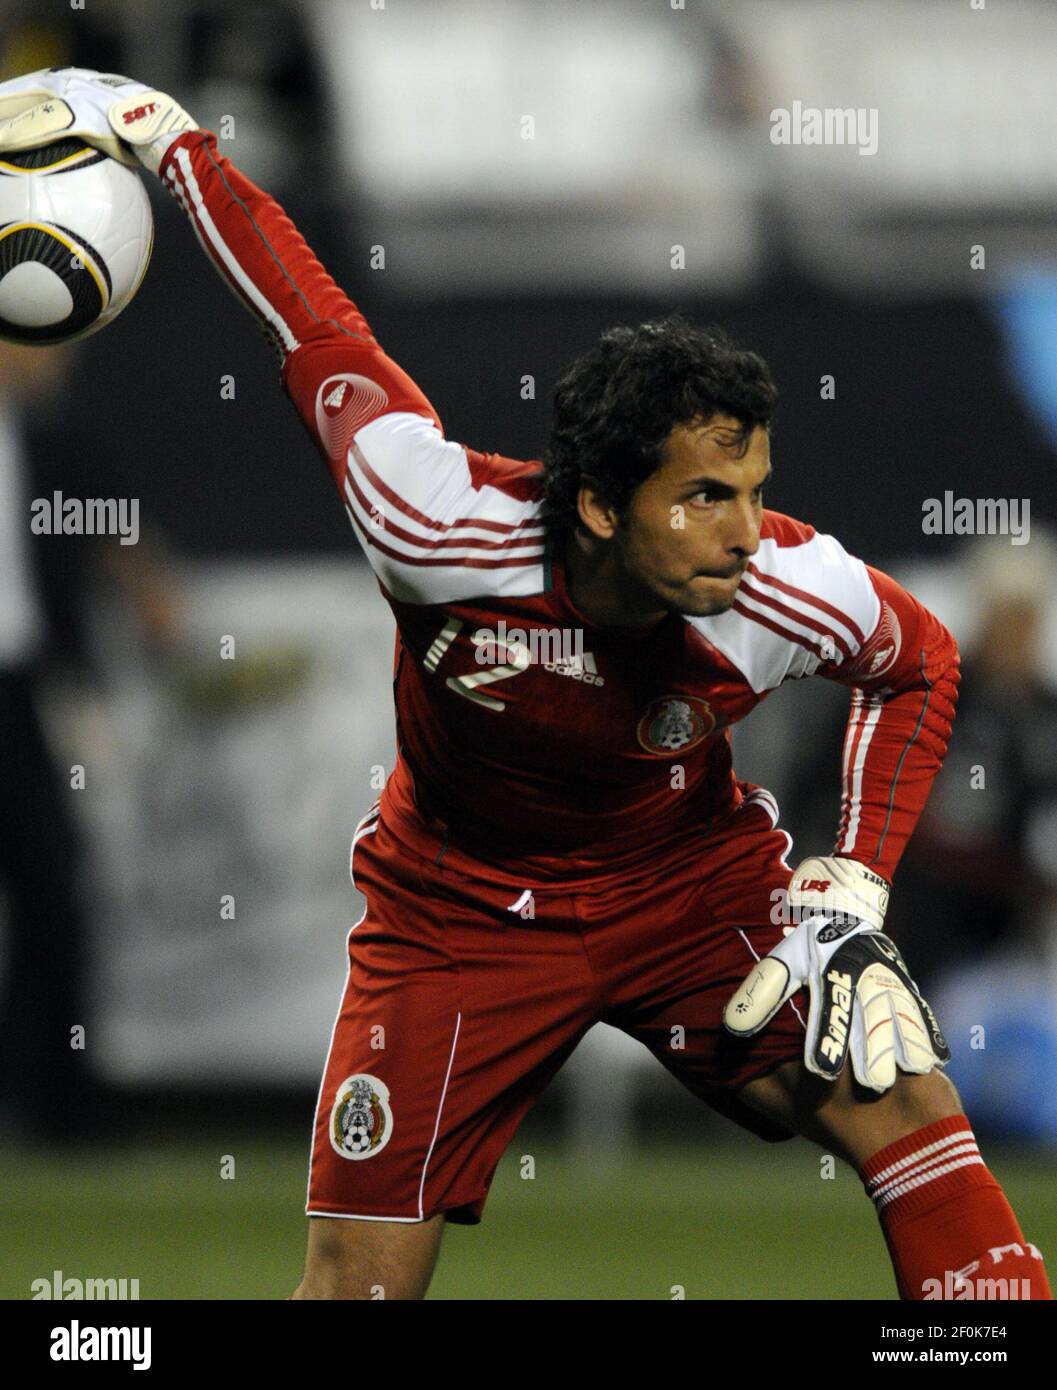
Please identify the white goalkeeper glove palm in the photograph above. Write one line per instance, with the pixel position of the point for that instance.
(127, 120)
(862, 996)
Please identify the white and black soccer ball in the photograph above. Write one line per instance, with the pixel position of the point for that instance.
(76, 234)
(358, 1136)
(356, 1127)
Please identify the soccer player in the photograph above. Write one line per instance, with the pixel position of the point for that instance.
(563, 838)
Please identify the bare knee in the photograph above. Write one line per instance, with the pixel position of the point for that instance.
(858, 1123)
(354, 1259)
(849, 1119)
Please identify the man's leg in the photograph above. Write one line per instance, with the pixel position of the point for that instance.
(943, 1215)
(671, 951)
(455, 1015)
(847, 1119)
(370, 1259)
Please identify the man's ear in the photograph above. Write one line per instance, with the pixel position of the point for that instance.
(597, 515)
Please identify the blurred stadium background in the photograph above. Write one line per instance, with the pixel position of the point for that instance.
(508, 245)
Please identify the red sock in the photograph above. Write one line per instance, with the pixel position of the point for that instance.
(949, 1229)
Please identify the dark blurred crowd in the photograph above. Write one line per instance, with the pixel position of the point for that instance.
(255, 56)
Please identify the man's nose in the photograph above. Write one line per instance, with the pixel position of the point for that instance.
(745, 533)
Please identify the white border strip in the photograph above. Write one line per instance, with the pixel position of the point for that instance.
(267, 310)
(874, 703)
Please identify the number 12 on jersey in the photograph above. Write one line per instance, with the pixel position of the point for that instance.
(469, 686)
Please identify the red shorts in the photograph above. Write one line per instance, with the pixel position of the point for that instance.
(465, 996)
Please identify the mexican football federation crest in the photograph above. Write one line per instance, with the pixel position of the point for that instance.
(361, 1120)
(675, 723)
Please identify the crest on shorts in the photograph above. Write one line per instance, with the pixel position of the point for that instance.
(674, 723)
(361, 1120)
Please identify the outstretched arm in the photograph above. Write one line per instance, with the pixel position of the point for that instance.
(317, 330)
(437, 520)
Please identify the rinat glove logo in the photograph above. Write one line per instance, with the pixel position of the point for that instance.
(833, 1043)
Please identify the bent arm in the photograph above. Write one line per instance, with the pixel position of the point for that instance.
(905, 688)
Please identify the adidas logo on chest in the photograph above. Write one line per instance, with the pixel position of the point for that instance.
(577, 668)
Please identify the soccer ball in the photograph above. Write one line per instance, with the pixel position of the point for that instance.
(76, 234)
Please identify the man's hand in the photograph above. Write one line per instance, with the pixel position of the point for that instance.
(862, 996)
(127, 120)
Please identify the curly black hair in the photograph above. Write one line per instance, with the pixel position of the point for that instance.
(615, 406)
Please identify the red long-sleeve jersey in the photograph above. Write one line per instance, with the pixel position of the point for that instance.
(547, 761)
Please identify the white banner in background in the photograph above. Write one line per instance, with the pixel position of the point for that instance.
(223, 787)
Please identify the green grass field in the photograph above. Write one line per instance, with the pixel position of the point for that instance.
(738, 1221)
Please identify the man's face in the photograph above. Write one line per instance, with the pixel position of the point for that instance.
(691, 527)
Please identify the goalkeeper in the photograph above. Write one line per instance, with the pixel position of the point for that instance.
(549, 852)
